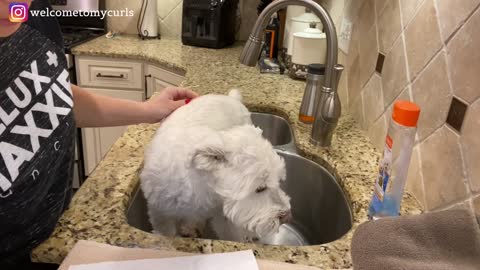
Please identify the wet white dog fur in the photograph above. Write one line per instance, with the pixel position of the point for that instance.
(209, 167)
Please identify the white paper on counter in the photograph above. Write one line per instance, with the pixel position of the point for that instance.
(241, 260)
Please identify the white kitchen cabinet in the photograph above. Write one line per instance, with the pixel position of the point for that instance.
(120, 78)
(158, 79)
(98, 141)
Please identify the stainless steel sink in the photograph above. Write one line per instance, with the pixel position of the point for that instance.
(320, 210)
(275, 129)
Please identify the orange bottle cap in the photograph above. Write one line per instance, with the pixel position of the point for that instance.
(406, 113)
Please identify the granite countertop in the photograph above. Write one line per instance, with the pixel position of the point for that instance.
(97, 211)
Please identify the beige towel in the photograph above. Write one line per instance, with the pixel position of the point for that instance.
(441, 240)
(91, 252)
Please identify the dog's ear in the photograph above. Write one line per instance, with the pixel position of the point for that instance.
(208, 158)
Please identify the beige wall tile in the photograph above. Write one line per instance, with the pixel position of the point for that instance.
(342, 58)
(165, 7)
(378, 131)
(394, 74)
(352, 9)
(174, 22)
(354, 80)
(466, 204)
(442, 169)
(452, 14)
(356, 111)
(166, 31)
(335, 8)
(471, 144)
(366, 16)
(415, 178)
(354, 46)
(342, 85)
(476, 207)
(248, 13)
(404, 95)
(373, 100)
(422, 38)
(124, 25)
(409, 7)
(389, 25)
(368, 54)
(380, 5)
(343, 90)
(431, 91)
(464, 59)
(437, 161)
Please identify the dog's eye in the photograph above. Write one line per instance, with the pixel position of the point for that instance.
(261, 189)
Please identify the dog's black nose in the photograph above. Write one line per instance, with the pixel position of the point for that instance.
(285, 217)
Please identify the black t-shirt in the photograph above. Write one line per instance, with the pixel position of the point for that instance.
(37, 135)
(46, 25)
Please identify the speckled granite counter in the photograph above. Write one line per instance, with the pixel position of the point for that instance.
(97, 211)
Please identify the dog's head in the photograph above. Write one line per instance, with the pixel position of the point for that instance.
(246, 172)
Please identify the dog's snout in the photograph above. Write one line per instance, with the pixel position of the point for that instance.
(285, 217)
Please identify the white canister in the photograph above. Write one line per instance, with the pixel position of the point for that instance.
(309, 47)
(299, 24)
(292, 11)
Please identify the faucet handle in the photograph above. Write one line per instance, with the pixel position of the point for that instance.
(337, 74)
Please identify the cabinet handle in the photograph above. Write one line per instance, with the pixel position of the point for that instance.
(100, 75)
(146, 85)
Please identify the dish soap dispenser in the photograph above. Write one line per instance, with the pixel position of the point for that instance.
(392, 172)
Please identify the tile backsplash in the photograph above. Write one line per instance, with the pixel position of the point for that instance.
(431, 58)
(170, 17)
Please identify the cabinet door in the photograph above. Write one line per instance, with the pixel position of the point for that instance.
(98, 141)
(158, 85)
(158, 79)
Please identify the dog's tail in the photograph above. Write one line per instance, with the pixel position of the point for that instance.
(236, 94)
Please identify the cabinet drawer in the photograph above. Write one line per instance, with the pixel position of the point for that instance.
(109, 73)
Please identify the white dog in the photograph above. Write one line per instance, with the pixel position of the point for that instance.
(206, 164)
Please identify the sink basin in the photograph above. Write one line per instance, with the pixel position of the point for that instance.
(321, 213)
(275, 128)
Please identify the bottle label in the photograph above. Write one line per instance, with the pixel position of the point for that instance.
(384, 171)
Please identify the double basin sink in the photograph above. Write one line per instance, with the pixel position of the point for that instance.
(320, 211)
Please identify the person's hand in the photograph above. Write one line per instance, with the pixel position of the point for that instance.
(170, 99)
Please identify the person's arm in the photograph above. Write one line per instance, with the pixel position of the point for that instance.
(93, 110)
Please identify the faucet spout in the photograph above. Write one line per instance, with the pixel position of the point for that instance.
(327, 109)
(251, 51)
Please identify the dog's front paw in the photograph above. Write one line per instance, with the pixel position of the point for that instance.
(251, 239)
(189, 231)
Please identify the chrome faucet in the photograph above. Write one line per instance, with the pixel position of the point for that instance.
(328, 107)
